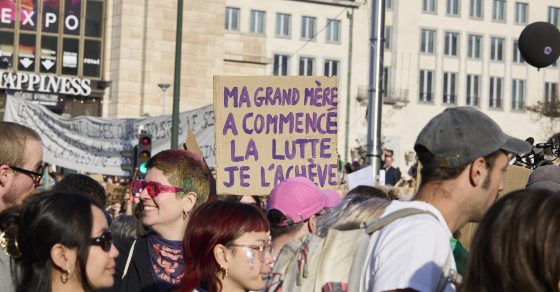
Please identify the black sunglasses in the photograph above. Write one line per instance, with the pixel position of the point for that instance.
(35, 175)
(104, 241)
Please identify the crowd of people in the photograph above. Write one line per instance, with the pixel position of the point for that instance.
(181, 236)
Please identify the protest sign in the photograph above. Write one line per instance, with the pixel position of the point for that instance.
(115, 193)
(272, 128)
(94, 145)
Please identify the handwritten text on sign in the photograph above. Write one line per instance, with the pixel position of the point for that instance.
(272, 128)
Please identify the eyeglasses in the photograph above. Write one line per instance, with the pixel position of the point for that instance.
(153, 188)
(263, 250)
(104, 241)
(36, 175)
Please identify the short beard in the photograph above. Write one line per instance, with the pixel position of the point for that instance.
(10, 199)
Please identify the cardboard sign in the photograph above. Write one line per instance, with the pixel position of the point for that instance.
(191, 144)
(272, 128)
(115, 193)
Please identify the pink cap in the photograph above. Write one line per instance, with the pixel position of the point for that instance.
(299, 199)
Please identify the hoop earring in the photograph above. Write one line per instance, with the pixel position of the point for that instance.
(185, 214)
(224, 272)
(65, 276)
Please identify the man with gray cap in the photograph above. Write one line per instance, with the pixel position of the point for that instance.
(463, 154)
(545, 177)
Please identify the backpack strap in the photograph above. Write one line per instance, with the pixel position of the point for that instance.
(128, 259)
(448, 275)
(377, 224)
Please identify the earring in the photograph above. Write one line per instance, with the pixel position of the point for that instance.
(185, 214)
(65, 276)
(224, 272)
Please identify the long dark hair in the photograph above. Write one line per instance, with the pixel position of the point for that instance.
(215, 222)
(516, 245)
(44, 220)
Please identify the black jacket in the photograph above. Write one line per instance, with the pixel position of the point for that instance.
(139, 276)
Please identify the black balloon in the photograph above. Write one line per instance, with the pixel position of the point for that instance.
(539, 44)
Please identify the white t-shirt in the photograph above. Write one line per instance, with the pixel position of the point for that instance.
(408, 253)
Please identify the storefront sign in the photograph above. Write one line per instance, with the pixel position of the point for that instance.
(45, 83)
(71, 22)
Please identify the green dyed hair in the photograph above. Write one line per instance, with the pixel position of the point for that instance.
(184, 170)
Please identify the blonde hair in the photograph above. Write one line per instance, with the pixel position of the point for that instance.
(13, 142)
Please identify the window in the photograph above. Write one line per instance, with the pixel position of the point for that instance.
(518, 94)
(474, 46)
(385, 89)
(232, 19)
(451, 45)
(427, 41)
(94, 18)
(475, 9)
(70, 56)
(331, 68)
(283, 25)
(388, 4)
(333, 30)
(499, 10)
(308, 27)
(281, 63)
(497, 49)
(550, 95)
(517, 58)
(452, 7)
(426, 86)
(429, 6)
(495, 92)
(521, 12)
(388, 37)
(257, 23)
(554, 15)
(49, 47)
(473, 89)
(449, 88)
(92, 58)
(306, 66)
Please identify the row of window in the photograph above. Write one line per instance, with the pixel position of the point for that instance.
(499, 8)
(283, 28)
(474, 45)
(306, 66)
(472, 90)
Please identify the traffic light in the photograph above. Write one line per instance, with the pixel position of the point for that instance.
(144, 152)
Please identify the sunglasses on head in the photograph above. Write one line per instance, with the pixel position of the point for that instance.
(104, 241)
(36, 175)
(153, 188)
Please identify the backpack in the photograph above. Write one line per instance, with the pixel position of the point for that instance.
(334, 263)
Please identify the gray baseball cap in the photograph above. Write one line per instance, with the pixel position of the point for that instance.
(545, 177)
(459, 135)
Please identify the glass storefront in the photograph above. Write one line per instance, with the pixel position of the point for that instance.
(62, 38)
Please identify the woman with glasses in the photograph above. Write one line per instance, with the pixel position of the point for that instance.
(174, 186)
(60, 242)
(227, 248)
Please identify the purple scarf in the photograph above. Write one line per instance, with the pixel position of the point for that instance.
(166, 257)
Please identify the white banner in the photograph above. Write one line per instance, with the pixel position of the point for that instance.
(94, 145)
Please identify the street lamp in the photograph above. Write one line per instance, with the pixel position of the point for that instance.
(163, 87)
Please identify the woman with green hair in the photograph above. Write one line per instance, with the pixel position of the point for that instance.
(177, 182)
